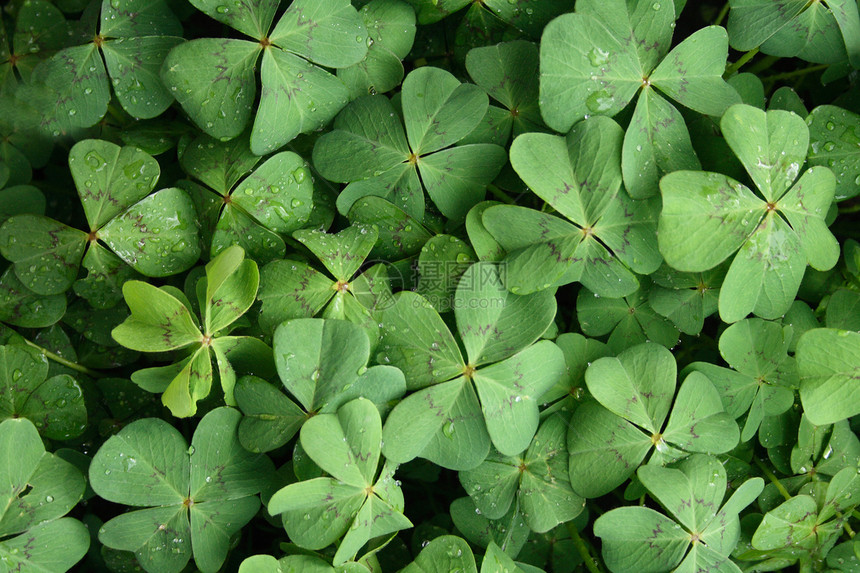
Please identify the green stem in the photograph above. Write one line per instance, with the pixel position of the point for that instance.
(774, 480)
(732, 68)
(795, 73)
(722, 15)
(582, 548)
(500, 195)
(849, 209)
(763, 64)
(67, 363)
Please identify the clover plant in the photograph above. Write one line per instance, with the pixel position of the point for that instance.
(487, 286)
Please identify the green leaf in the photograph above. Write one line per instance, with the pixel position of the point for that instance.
(110, 178)
(20, 306)
(55, 405)
(231, 287)
(68, 75)
(158, 235)
(604, 450)
(106, 273)
(719, 212)
(637, 385)
(509, 393)
(692, 72)
(296, 96)
(134, 65)
(158, 321)
(251, 18)
(698, 422)
(191, 384)
(151, 459)
(656, 143)
(438, 110)
(278, 194)
(829, 363)
(40, 486)
(45, 253)
(623, 532)
(327, 361)
(342, 253)
(574, 49)
(218, 164)
(770, 145)
(270, 418)
(346, 444)
(752, 22)
(52, 546)
(291, 289)
(443, 260)
(442, 423)
(134, 18)
(766, 273)
(445, 553)
(19, 199)
(235, 227)
(331, 33)
(496, 560)
(792, 524)
(367, 140)
(213, 81)
(833, 142)
(492, 321)
(456, 178)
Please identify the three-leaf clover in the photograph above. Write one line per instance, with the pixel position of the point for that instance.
(639, 538)
(603, 235)
(359, 502)
(369, 150)
(323, 364)
(608, 440)
(214, 79)
(154, 233)
(161, 320)
(443, 419)
(595, 60)
(195, 497)
(707, 217)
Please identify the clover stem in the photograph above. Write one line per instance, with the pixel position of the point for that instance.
(772, 477)
(722, 14)
(795, 73)
(734, 67)
(60, 360)
(499, 194)
(581, 548)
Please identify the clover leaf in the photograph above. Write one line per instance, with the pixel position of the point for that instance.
(443, 419)
(153, 233)
(829, 362)
(55, 405)
(775, 235)
(636, 537)
(595, 60)
(833, 142)
(608, 440)
(357, 502)
(369, 150)
(39, 489)
(195, 497)
(608, 234)
(538, 479)
(161, 321)
(323, 364)
(22, 307)
(214, 78)
(686, 299)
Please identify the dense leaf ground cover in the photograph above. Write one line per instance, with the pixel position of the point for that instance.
(429, 286)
